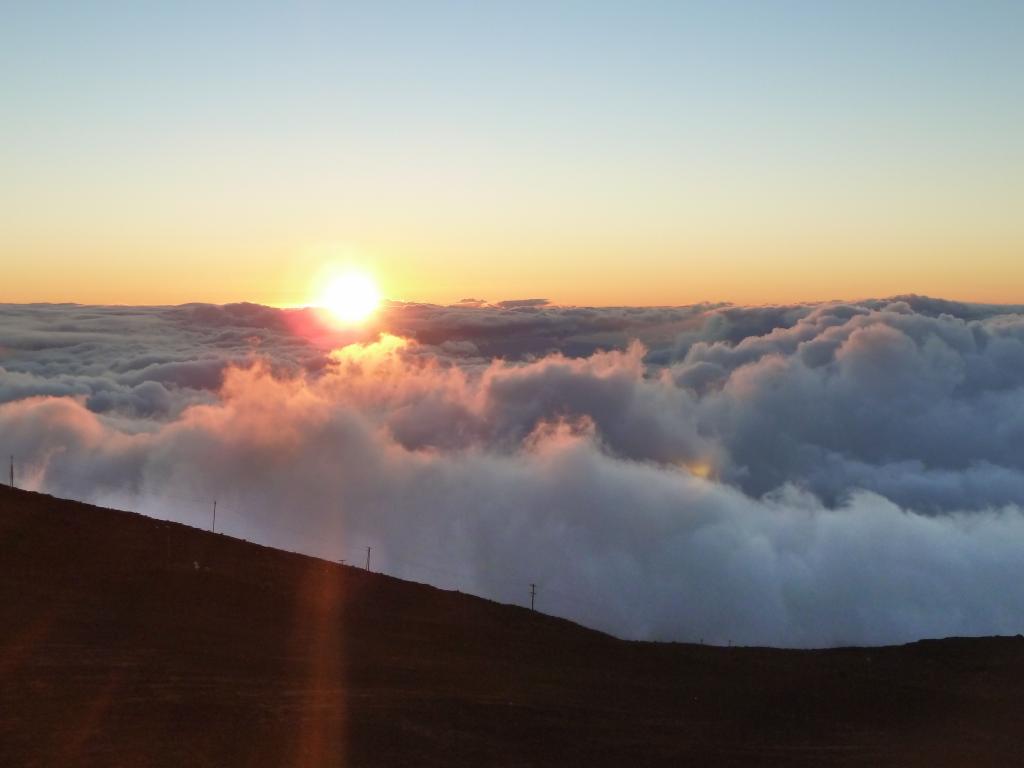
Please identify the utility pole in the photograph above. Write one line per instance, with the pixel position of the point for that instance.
(368, 557)
(214, 528)
(533, 594)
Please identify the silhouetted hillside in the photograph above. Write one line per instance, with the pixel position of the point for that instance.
(116, 650)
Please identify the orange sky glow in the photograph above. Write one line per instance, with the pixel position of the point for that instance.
(685, 153)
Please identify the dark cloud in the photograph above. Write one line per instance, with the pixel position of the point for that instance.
(112, 355)
(926, 305)
(849, 386)
(522, 303)
(796, 475)
(523, 332)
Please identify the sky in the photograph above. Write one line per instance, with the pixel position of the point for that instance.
(592, 153)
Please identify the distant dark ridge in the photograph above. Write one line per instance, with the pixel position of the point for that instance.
(116, 650)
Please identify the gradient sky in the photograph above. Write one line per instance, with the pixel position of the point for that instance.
(587, 152)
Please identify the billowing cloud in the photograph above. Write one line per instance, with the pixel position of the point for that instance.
(804, 475)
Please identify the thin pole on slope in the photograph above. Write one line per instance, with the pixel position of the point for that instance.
(533, 594)
(368, 557)
(214, 527)
(12, 471)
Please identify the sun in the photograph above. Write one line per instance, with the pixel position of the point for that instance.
(350, 297)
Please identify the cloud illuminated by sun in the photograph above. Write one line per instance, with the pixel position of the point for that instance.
(350, 297)
(701, 469)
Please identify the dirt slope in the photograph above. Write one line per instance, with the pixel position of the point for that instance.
(116, 651)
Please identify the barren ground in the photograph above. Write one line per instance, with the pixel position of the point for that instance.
(115, 651)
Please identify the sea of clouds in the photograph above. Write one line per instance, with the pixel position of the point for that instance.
(806, 475)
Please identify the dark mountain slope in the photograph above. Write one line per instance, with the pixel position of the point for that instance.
(116, 651)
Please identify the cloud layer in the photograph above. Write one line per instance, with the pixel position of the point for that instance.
(802, 475)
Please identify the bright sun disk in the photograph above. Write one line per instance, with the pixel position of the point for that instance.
(351, 297)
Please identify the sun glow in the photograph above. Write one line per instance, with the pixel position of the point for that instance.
(702, 469)
(350, 297)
